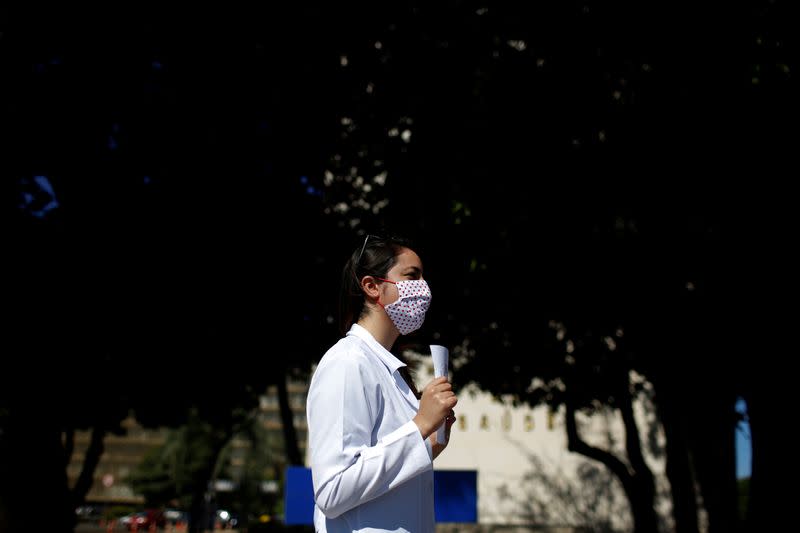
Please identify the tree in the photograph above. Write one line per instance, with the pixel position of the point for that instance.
(119, 253)
(221, 156)
(558, 123)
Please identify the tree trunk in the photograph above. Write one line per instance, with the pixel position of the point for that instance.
(714, 458)
(636, 490)
(34, 472)
(678, 466)
(645, 517)
(198, 519)
(287, 421)
(93, 454)
(198, 512)
(69, 445)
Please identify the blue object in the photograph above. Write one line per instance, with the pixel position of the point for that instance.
(299, 496)
(455, 495)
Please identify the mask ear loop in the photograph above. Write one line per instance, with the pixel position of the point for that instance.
(379, 296)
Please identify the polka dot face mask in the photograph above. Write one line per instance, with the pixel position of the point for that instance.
(408, 312)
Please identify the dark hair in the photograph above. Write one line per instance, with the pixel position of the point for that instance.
(375, 257)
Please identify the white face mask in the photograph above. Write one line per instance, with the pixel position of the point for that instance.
(408, 312)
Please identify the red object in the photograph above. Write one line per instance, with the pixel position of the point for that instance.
(150, 519)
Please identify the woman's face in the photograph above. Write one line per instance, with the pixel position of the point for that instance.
(408, 266)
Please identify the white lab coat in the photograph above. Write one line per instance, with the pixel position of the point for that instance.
(371, 468)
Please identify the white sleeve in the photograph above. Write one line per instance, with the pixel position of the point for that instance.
(347, 470)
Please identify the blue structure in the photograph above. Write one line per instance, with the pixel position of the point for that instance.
(298, 496)
(455, 495)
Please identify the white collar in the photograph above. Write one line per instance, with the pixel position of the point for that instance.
(386, 357)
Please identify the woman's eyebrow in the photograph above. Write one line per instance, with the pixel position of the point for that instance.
(415, 269)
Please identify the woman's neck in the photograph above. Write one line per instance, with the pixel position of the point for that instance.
(380, 326)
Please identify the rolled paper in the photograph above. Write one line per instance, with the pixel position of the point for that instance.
(440, 355)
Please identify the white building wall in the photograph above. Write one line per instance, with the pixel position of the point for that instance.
(526, 475)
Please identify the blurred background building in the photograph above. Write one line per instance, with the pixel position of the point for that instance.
(124, 453)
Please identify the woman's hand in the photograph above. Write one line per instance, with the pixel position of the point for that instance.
(437, 402)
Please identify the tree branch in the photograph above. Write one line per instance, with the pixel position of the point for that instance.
(578, 445)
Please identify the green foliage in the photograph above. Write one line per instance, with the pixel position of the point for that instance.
(170, 472)
(743, 486)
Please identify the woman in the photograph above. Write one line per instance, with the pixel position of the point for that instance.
(371, 435)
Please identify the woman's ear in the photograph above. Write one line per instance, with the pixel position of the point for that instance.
(370, 287)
